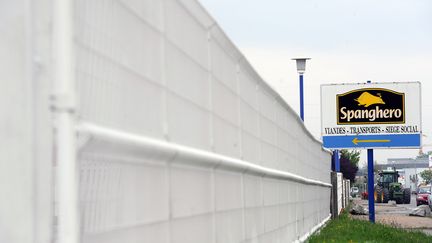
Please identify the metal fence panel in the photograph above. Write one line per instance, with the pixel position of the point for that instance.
(179, 139)
(164, 70)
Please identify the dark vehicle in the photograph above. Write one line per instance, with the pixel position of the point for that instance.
(388, 188)
(422, 195)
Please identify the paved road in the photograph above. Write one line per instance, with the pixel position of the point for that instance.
(397, 215)
(402, 209)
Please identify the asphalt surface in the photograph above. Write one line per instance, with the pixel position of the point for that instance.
(402, 209)
(397, 215)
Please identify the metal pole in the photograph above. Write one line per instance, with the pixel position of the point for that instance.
(301, 97)
(371, 186)
(371, 183)
(64, 115)
(336, 160)
(415, 176)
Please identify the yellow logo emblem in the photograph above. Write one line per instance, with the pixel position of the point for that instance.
(366, 99)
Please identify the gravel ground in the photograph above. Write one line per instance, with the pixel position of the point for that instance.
(397, 215)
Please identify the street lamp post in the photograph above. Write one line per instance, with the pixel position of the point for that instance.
(301, 68)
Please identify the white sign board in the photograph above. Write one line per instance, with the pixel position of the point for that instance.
(371, 115)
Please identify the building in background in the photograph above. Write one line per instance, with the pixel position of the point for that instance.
(409, 170)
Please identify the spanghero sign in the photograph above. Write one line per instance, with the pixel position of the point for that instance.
(370, 106)
(371, 115)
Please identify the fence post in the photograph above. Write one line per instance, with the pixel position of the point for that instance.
(334, 195)
(349, 190)
(63, 108)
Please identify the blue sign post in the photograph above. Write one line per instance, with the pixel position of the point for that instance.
(371, 190)
(371, 200)
(336, 160)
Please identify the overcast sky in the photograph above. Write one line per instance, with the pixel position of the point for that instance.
(348, 41)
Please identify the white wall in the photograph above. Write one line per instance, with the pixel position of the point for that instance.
(26, 205)
(164, 70)
(411, 172)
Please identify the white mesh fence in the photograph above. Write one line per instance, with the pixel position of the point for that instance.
(163, 71)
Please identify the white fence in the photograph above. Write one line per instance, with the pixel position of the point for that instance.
(340, 194)
(179, 139)
(347, 194)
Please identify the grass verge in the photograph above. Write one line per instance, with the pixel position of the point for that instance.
(346, 229)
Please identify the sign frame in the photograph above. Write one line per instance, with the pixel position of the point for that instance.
(379, 140)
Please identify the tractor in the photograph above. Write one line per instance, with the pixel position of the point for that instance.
(388, 188)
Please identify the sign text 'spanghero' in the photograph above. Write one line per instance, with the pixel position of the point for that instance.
(370, 106)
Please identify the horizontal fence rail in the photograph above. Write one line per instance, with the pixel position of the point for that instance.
(216, 190)
(192, 155)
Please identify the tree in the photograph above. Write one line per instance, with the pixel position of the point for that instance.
(426, 175)
(352, 155)
(347, 168)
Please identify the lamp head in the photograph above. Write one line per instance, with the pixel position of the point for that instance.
(301, 64)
